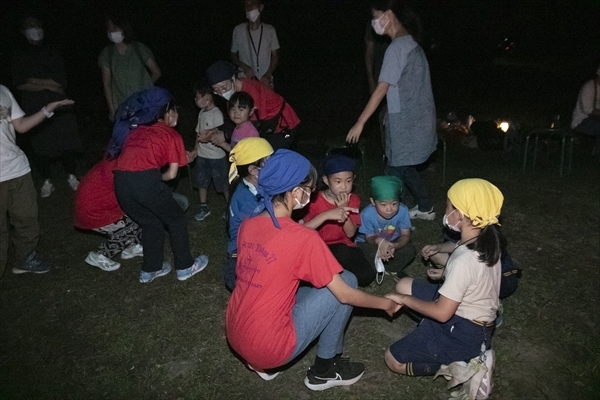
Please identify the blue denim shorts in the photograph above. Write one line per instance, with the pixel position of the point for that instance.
(207, 169)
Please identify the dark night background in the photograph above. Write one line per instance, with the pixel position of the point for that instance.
(321, 56)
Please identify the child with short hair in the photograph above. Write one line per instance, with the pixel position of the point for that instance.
(241, 108)
(211, 160)
(385, 229)
(335, 215)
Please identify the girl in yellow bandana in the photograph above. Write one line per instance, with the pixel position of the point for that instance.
(458, 315)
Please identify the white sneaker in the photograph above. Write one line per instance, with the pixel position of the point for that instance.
(136, 250)
(47, 188)
(486, 386)
(264, 375)
(73, 182)
(102, 262)
(416, 214)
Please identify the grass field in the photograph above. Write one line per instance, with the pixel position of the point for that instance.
(79, 332)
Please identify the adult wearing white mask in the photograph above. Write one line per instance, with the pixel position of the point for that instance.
(127, 66)
(410, 132)
(275, 120)
(40, 78)
(254, 47)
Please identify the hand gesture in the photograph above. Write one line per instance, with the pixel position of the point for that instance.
(354, 133)
(190, 156)
(430, 250)
(204, 136)
(342, 199)
(248, 72)
(435, 274)
(385, 250)
(217, 137)
(56, 104)
(396, 303)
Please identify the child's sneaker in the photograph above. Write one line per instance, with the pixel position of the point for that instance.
(33, 264)
(486, 385)
(73, 182)
(343, 372)
(47, 188)
(264, 375)
(136, 250)
(416, 214)
(102, 262)
(147, 277)
(199, 264)
(204, 212)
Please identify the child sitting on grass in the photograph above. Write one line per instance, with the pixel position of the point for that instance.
(247, 158)
(334, 214)
(385, 229)
(241, 108)
(211, 161)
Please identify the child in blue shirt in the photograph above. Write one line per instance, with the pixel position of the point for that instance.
(247, 158)
(386, 227)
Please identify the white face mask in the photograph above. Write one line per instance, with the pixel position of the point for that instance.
(200, 105)
(451, 227)
(377, 25)
(34, 34)
(116, 37)
(301, 205)
(252, 15)
(227, 95)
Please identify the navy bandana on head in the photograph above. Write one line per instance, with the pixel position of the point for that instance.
(140, 108)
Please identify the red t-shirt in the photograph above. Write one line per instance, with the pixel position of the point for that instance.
(151, 147)
(95, 201)
(332, 232)
(271, 263)
(268, 103)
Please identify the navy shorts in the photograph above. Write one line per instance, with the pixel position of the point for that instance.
(435, 343)
(207, 169)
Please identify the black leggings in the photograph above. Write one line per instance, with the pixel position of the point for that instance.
(353, 260)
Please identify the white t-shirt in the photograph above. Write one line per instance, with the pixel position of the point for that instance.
(13, 162)
(586, 102)
(249, 45)
(208, 120)
(472, 284)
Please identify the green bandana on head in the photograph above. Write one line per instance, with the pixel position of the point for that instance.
(386, 187)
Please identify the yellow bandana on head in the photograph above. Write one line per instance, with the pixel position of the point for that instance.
(478, 199)
(247, 151)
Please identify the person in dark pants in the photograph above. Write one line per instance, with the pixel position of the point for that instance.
(140, 185)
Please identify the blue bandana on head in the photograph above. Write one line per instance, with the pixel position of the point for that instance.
(338, 163)
(140, 108)
(283, 171)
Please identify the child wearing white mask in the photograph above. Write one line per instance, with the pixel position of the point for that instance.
(127, 66)
(254, 47)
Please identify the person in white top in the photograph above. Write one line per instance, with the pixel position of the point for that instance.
(254, 47)
(459, 316)
(18, 197)
(586, 115)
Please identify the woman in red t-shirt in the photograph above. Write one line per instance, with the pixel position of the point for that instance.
(147, 156)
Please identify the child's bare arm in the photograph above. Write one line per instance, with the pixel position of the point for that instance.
(403, 239)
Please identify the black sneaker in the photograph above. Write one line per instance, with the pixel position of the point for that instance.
(343, 372)
(33, 264)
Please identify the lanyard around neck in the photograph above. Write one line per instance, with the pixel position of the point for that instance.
(257, 52)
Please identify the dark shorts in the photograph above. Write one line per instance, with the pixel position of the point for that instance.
(433, 342)
(207, 169)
